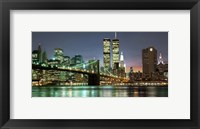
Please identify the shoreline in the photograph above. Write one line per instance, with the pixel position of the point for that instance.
(102, 86)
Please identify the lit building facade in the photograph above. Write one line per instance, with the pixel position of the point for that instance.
(149, 62)
(66, 61)
(106, 53)
(137, 76)
(116, 68)
(35, 57)
(160, 59)
(39, 53)
(58, 54)
(122, 66)
(53, 63)
(162, 69)
(131, 75)
(77, 59)
(39, 56)
(115, 51)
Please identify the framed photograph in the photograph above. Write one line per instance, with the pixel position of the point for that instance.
(99, 64)
(126, 66)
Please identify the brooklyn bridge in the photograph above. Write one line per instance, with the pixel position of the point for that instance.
(94, 73)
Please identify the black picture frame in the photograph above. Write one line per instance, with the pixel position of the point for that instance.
(7, 5)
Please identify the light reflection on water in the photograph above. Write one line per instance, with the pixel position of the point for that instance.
(99, 91)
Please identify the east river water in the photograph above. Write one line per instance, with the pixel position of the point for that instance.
(99, 91)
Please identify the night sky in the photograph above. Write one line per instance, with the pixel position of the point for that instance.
(90, 44)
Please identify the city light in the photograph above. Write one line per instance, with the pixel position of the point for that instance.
(106, 71)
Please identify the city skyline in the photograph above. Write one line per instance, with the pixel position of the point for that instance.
(90, 44)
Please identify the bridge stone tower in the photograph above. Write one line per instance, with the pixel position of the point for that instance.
(94, 78)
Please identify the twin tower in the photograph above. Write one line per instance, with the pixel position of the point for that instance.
(115, 53)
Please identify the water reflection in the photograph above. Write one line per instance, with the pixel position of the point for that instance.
(99, 91)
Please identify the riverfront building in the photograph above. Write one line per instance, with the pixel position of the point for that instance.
(115, 50)
(106, 53)
(58, 54)
(77, 59)
(149, 62)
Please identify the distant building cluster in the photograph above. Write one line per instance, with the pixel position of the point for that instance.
(154, 69)
(39, 57)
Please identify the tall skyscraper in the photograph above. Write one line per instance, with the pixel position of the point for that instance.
(162, 68)
(149, 61)
(58, 54)
(122, 66)
(106, 53)
(44, 57)
(160, 59)
(115, 50)
(121, 63)
(39, 53)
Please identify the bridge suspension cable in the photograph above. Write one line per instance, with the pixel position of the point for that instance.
(81, 65)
